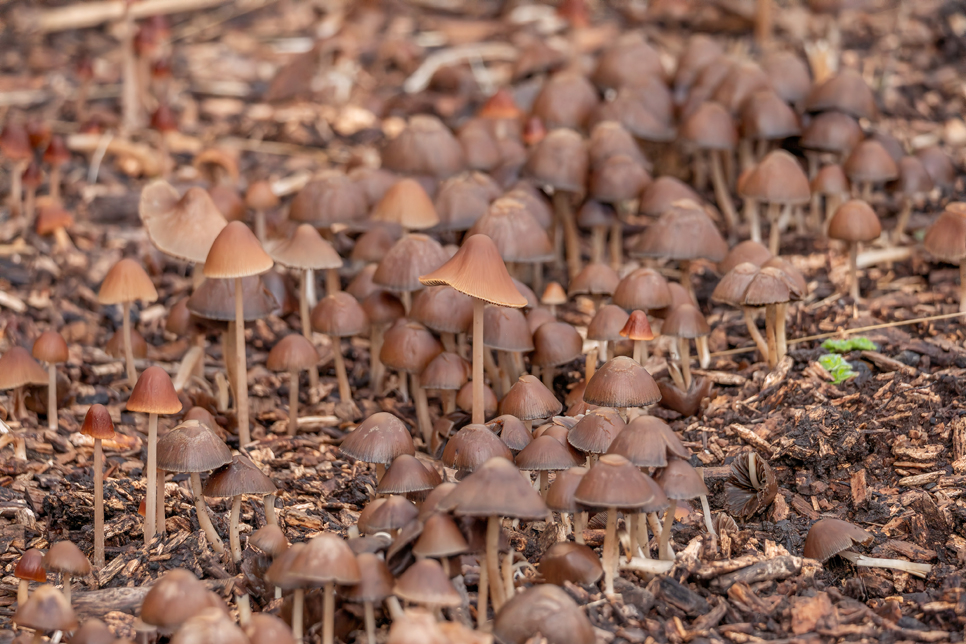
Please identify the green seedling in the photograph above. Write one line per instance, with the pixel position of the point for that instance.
(846, 345)
(837, 366)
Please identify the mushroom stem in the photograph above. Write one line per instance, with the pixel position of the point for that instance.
(580, 524)
(449, 402)
(666, 529)
(54, 181)
(380, 472)
(150, 497)
(38, 637)
(492, 371)
(643, 540)
(482, 590)
(160, 503)
(30, 203)
(685, 345)
(781, 314)
(52, 397)
(598, 237)
(564, 211)
(23, 592)
(631, 521)
(19, 445)
(132, 373)
(866, 191)
(915, 569)
(721, 195)
(770, 317)
(377, 371)
(706, 509)
(66, 580)
(617, 245)
(260, 226)
(704, 353)
(298, 608)
(544, 482)
(536, 278)
(370, 618)
(422, 409)
(549, 372)
(853, 270)
(508, 587)
(590, 364)
(332, 282)
(774, 232)
(493, 561)
(754, 221)
(233, 528)
(345, 391)
(478, 414)
(962, 286)
(831, 205)
(293, 402)
(686, 278)
(241, 378)
(328, 614)
(763, 23)
(749, 315)
(16, 188)
(449, 342)
(676, 375)
(508, 369)
(129, 86)
(244, 603)
(269, 502)
(609, 552)
(306, 322)
(202, 511)
(227, 344)
(98, 503)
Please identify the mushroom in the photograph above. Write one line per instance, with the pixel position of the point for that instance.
(946, 241)
(444, 310)
(560, 498)
(271, 540)
(46, 610)
(555, 344)
(472, 446)
(914, 183)
(30, 567)
(441, 539)
(53, 219)
(545, 454)
(606, 327)
(829, 537)
(768, 287)
(57, 155)
(446, 373)
(731, 290)
(425, 582)
(710, 128)
(125, 283)
(680, 482)
(293, 353)
(235, 254)
(781, 183)
(261, 198)
(506, 330)
(153, 394)
(854, 222)
(465, 271)
(383, 309)
(193, 447)
(65, 558)
(425, 147)
(570, 562)
(15, 147)
(622, 383)
(50, 347)
(409, 348)
(595, 280)
(234, 479)
(869, 164)
(545, 609)
(174, 598)
(514, 225)
(326, 560)
(211, 625)
(17, 370)
(375, 585)
(553, 296)
(409, 258)
(637, 329)
(751, 487)
(99, 426)
(594, 433)
(282, 574)
(393, 514)
(529, 400)
(409, 476)
(379, 439)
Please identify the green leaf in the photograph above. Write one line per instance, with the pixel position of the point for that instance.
(837, 366)
(858, 343)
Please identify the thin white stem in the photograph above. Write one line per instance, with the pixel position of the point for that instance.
(233, 538)
(241, 393)
(150, 498)
(202, 511)
(915, 569)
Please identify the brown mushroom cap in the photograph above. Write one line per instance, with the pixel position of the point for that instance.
(496, 488)
(378, 439)
(710, 127)
(914, 179)
(66, 558)
(236, 252)
(30, 566)
(478, 271)
(15, 142)
(52, 217)
(594, 433)
(326, 558)
(574, 562)
(778, 179)
(767, 286)
(607, 323)
(517, 235)
(126, 282)
(506, 329)
(292, 353)
(644, 289)
(184, 227)
(560, 494)
(938, 165)
(462, 200)
(658, 196)
(544, 453)
(330, 199)
(393, 514)
(411, 257)
(613, 482)
(93, 631)
(408, 346)
(114, 347)
(854, 221)
(610, 138)
(546, 609)
(828, 537)
(832, 132)
(622, 382)
(407, 205)
(240, 476)
(766, 116)
(844, 92)
(269, 539)
(98, 423)
(529, 399)
(46, 610)
(173, 599)
(192, 446)
(648, 442)
(788, 75)
(282, 572)
(680, 481)
(870, 162)
(627, 61)
(305, 249)
(339, 315)
(265, 628)
(424, 582)
(375, 580)
(50, 347)
(684, 231)
(443, 309)
(746, 251)
(406, 475)
(448, 371)
(748, 493)
(946, 238)
(472, 446)
(731, 289)
(512, 431)
(594, 279)
(425, 147)
(260, 196)
(566, 99)
(441, 537)
(215, 300)
(154, 394)
(560, 161)
(555, 344)
(686, 321)
(382, 307)
(618, 178)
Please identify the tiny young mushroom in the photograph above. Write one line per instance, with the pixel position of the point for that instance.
(326, 560)
(99, 426)
(30, 567)
(637, 329)
(282, 574)
(153, 394)
(293, 354)
(46, 610)
(15, 148)
(946, 241)
(409, 348)
(829, 537)
(854, 223)
(751, 487)
(680, 482)
(553, 296)
(124, 284)
(51, 348)
(869, 164)
(53, 219)
(65, 558)
(193, 447)
(241, 476)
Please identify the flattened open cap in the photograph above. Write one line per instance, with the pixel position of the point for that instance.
(478, 270)
(184, 227)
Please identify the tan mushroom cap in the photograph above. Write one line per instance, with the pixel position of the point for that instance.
(326, 558)
(174, 598)
(684, 231)
(731, 289)
(339, 315)
(424, 582)
(870, 162)
(378, 439)
(18, 368)
(260, 196)
(574, 562)
(98, 423)
(766, 286)
(594, 433)
(192, 446)
(50, 347)
(496, 488)
(555, 344)
(236, 252)
(560, 494)
(854, 221)
(409, 258)
(209, 625)
(269, 539)
(747, 251)
(648, 442)
(680, 481)
(686, 321)
(240, 476)
(46, 610)
(529, 399)
(622, 382)
(93, 631)
(406, 204)
(478, 271)
(126, 282)
(516, 233)
(443, 309)
(607, 323)
(644, 289)
(448, 371)
(613, 482)
(184, 227)
(778, 179)
(375, 580)
(154, 394)
(409, 346)
(844, 92)
(305, 249)
(66, 558)
(406, 475)
(828, 537)
(946, 238)
(595, 278)
(292, 353)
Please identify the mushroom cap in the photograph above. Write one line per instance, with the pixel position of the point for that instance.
(831, 132)
(209, 625)
(529, 399)
(441, 537)
(537, 317)
(594, 214)
(618, 178)
(610, 138)
(914, 179)
(425, 147)
(394, 513)
(411, 257)
(595, 278)
(126, 282)
(517, 234)
(192, 446)
(443, 309)
(265, 628)
(506, 329)
(407, 205)
(854, 221)
(406, 475)
(648, 442)
(594, 433)
(375, 580)
(15, 142)
(93, 631)
(98, 423)
(644, 289)
(326, 558)
(462, 200)
(513, 432)
(778, 179)
(409, 346)
(378, 439)
(645, 110)
(870, 162)
(560, 161)
(627, 61)
(684, 231)
(478, 271)
(184, 227)
(472, 446)
(946, 238)
(339, 315)
(424, 582)
(831, 180)
(464, 400)
(383, 307)
(50, 347)
(545, 453)
(613, 482)
(305, 249)
(574, 562)
(236, 252)
(680, 481)
(560, 494)
(797, 286)
(746, 251)
(30, 566)
(154, 394)
(555, 344)
(686, 321)
(46, 610)
(743, 79)
(699, 51)
(448, 371)
(240, 476)
(66, 558)
(173, 599)
(282, 572)
(294, 352)
(52, 217)
(372, 245)
(330, 199)
(114, 347)
(766, 116)
(269, 539)
(496, 488)
(766, 286)
(622, 382)
(215, 300)
(565, 100)
(938, 165)
(544, 609)
(607, 323)
(731, 289)
(260, 196)
(637, 327)
(828, 537)
(710, 127)
(747, 493)
(844, 92)
(658, 196)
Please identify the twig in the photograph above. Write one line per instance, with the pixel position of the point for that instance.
(90, 14)
(479, 52)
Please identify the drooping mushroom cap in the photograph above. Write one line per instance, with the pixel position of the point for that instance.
(339, 315)
(305, 249)
(613, 482)
(292, 353)
(478, 271)
(870, 162)
(240, 476)
(126, 282)
(66, 558)
(622, 382)
(845, 92)
(46, 610)
(154, 394)
(192, 446)
(648, 442)
(686, 321)
(30, 566)
(406, 475)
(751, 485)
(518, 236)
(680, 481)
(269, 539)
(184, 227)
(545, 453)
(546, 609)
(574, 562)
(327, 558)
(236, 252)
(637, 327)
(215, 300)
(710, 127)
(529, 399)
(472, 446)
(684, 231)
(378, 439)
(946, 238)
(407, 205)
(731, 289)
(98, 423)
(409, 346)
(424, 582)
(560, 494)
(854, 221)
(409, 258)
(778, 179)
(832, 132)
(555, 344)
(828, 537)
(644, 289)
(559, 161)
(594, 433)
(496, 488)
(50, 347)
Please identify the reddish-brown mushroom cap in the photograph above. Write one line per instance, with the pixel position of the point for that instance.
(478, 271)
(98, 423)
(30, 566)
(50, 347)
(828, 537)
(126, 282)
(236, 252)
(154, 394)
(18, 368)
